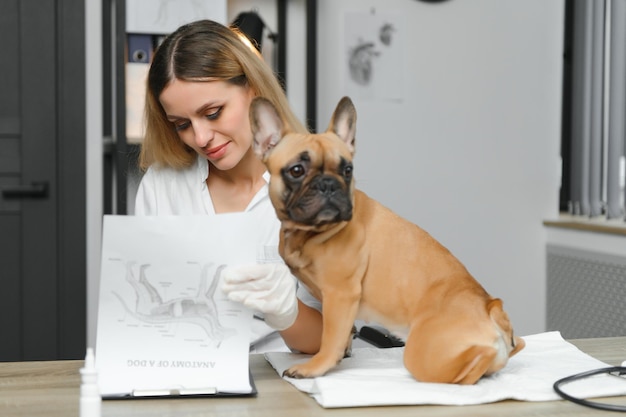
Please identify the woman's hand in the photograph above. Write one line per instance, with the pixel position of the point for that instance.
(268, 288)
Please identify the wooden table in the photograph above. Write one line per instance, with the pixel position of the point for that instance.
(51, 389)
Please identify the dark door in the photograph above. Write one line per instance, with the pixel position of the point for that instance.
(42, 180)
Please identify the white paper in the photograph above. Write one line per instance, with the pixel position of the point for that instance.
(160, 17)
(163, 322)
(136, 78)
(376, 377)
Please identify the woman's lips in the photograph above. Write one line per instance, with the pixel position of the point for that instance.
(217, 152)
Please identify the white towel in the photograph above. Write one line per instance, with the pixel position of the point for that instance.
(374, 377)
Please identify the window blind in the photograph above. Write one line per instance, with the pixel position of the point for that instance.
(597, 133)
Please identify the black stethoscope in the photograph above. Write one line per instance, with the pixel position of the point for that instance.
(615, 370)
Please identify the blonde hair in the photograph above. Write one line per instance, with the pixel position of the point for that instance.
(203, 51)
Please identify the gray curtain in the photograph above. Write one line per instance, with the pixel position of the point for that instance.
(598, 108)
(617, 110)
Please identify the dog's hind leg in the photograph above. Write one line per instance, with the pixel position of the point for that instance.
(473, 363)
(431, 359)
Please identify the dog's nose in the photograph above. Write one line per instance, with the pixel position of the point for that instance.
(327, 185)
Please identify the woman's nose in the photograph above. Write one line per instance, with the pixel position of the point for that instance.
(203, 134)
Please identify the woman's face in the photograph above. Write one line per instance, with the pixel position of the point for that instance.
(211, 117)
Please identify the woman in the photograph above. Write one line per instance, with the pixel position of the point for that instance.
(198, 157)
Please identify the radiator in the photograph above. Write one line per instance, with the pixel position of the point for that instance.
(586, 293)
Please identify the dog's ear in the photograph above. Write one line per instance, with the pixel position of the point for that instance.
(343, 122)
(266, 126)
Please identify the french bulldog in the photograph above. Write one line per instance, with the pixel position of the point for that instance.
(364, 261)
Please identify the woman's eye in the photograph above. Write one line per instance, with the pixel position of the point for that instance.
(214, 115)
(181, 126)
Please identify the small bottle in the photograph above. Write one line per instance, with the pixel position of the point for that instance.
(90, 399)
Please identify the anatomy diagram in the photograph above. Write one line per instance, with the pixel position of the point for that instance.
(200, 310)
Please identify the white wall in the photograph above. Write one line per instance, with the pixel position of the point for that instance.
(471, 153)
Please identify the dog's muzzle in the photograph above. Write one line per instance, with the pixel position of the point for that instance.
(326, 200)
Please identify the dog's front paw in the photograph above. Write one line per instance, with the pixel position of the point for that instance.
(295, 372)
(316, 366)
(301, 371)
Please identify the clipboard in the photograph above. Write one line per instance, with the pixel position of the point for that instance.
(164, 327)
(190, 393)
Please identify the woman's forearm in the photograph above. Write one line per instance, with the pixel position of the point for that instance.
(305, 335)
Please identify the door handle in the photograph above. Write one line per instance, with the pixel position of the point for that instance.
(34, 190)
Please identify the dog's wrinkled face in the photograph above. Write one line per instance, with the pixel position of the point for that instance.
(311, 174)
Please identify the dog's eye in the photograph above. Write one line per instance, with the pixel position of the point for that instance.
(347, 171)
(296, 171)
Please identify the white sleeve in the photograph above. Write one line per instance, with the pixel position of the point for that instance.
(307, 298)
(145, 199)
